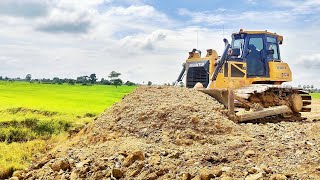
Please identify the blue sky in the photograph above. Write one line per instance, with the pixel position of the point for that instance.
(146, 39)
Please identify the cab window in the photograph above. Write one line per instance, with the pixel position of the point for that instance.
(238, 43)
(255, 62)
(272, 45)
(257, 43)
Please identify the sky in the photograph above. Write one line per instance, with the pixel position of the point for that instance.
(146, 40)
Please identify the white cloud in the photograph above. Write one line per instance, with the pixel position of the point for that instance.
(85, 52)
(142, 42)
(77, 37)
(82, 3)
(311, 61)
(299, 7)
(144, 11)
(203, 17)
(66, 20)
(239, 19)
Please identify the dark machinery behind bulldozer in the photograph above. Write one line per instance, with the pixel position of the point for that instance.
(247, 78)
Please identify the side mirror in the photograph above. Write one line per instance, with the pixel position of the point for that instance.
(270, 52)
(235, 52)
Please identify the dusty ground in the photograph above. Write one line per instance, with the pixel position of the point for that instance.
(177, 133)
(315, 113)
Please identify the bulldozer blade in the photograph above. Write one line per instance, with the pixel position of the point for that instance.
(221, 95)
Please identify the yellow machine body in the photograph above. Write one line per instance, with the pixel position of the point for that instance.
(228, 77)
(252, 69)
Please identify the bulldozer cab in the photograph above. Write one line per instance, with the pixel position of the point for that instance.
(256, 49)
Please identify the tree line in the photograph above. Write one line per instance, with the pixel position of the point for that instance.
(113, 79)
(309, 88)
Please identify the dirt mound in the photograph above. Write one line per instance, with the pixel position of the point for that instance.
(178, 133)
(162, 114)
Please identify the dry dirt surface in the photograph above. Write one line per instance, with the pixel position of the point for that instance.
(178, 133)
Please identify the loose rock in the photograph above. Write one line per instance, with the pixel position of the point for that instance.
(278, 177)
(60, 164)
(131, 158)
(249, 153)
(117, 173)
(254, 176)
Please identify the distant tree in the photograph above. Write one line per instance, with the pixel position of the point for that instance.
(114, 78)
(114, 74)
(129, 83)
(93, 78)
(45, 81)
(28, 77)
(105, 81)
(308, 86)
(299, 86)
(304, 87)
(1, 78)
(82, 80)
(117, 82)
(312, 86)
(71, 81)
(102, 80)
(56, 80)
(34, 80)
(37, 81)
(149, 83)
(6, 78)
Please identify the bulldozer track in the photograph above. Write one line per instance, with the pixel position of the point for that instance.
(271, 96)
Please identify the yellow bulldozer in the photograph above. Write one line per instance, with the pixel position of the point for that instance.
(247, 78)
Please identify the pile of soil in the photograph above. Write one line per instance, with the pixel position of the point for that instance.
(166, 114)
(179, 133)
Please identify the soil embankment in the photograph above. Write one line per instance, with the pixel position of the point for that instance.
(178, 133)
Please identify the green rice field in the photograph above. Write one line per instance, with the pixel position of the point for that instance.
(33, 116)
(315, 95)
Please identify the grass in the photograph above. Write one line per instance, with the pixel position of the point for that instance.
(15, 156)
(33, 114)
(315, 95)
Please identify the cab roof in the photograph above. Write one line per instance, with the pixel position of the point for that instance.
(280, 38)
